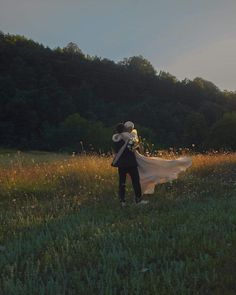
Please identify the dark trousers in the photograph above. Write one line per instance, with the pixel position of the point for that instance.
(133, 172)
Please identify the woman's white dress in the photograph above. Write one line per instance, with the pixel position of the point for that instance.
(154, 170)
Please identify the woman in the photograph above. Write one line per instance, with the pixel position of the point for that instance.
(154, 170)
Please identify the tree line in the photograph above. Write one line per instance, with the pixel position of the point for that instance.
(63, 99)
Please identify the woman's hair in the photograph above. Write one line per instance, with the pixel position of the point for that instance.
(119, 128)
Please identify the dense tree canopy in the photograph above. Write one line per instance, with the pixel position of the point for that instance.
(54, 99)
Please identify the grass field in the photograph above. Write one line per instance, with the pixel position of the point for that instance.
(63, 231)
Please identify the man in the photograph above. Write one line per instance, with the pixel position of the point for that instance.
(126, 162)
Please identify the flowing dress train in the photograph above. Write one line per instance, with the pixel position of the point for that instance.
(154, 170)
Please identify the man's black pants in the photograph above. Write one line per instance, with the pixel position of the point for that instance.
(133, 172)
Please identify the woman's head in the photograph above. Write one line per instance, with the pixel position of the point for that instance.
(119, 128)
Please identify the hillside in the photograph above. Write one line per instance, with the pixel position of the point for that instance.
(56, 99)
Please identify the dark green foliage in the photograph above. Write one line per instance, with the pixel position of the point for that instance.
(196, 129)
(138, 64)
(223, 133)
(77, 134)
(41, 87)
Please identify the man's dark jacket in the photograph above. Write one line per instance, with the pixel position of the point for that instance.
(127, 158)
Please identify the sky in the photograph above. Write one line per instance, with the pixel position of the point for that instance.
(187, 38)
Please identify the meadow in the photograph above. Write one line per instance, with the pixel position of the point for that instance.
(62, 231)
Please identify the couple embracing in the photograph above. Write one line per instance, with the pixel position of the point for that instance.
(145, 172)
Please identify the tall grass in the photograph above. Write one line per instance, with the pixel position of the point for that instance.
(63, 231)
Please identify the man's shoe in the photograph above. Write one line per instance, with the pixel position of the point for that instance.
(122, 204)
(143, 202)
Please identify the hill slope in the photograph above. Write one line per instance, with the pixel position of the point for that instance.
(57, 98)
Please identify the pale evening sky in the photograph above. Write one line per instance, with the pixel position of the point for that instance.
(188, 38)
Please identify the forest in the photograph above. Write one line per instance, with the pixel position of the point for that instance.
(62, 99)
